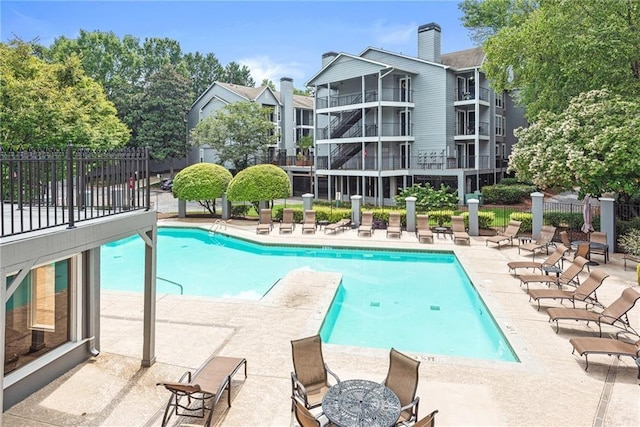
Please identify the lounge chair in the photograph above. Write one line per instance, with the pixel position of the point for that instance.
(395, 224)
(287, 223)
(568, 277)
(610, 346)
(343, 224)
(614, 315)
(581, 293)
(366, 225)
(601, 246)
(265, 223)
(309, 380)
(402, 379)
(548, 264)
(309, 223)
(423, 232)
(459, 232)
(507, 236)
(543, 241)
(208, 382)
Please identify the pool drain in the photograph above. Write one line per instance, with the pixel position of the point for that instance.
(435, 308)
(374, 304)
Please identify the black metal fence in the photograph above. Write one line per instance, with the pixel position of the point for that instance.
(47, 188)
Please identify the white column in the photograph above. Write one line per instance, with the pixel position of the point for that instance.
(537, 211)
(473, 217)
(607, 221)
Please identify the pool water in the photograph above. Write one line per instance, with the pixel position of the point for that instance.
(413, 301)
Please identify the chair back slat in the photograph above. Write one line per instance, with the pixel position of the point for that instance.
(623, 304)
(308, 362)
(402, 377)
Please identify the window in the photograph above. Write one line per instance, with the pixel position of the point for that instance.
(37, 318)
(499, 100)
(499, 125)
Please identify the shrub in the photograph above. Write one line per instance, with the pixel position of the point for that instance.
(630, 241)
(259, 182)
(440, 217)
(506, 194)
(526, 218)
(203, 182)
(428, 197)
(239, 210)
(485, 219)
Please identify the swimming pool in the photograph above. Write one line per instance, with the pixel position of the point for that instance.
(415, 301)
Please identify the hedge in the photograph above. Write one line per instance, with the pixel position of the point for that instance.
(571, 220)
(506, 194)
(526, 218)
(485, 219)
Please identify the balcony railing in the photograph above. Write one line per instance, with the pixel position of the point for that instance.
(43, 189)
(415, 162)
(391, 94)
(470, 129)
(470, 95)
(387, 129)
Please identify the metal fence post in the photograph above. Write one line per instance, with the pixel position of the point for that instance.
(70, 185)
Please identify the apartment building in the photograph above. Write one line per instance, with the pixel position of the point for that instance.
(292, 117)
(386, 120)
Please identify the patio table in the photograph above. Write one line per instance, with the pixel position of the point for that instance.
(361, 403)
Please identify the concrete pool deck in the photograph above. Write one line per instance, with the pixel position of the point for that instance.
(548, 387)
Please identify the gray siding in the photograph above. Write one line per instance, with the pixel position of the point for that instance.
(346, 68)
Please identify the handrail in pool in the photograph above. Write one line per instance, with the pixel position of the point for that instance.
(173, 283)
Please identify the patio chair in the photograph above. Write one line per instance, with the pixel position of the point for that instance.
(548, 264)
(423, 232)
(287, 223)
(395, 225)
(337, 226)
(366, 225)
(304, 417)
(610, 346)
(543, 241)
(265, 223)
(507, 236)
(564, 238)
(459, 232)
(428, 421)
(601, 246)
(581, 293)
(402, 379)
(309, 380)
(207, 383)
(614, 315)
(584, 251)
(568, 277)
(309, 223)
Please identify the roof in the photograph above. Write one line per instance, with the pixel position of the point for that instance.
(467, 58)
(252, 93)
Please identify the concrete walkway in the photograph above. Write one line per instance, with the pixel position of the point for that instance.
(548, 387)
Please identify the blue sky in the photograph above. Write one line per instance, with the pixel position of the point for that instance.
(273, 38)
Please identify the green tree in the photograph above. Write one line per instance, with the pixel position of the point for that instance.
(202, 182)
(564, 48)
(427, 197)
(47, 105)
(203, 69)
(239, 75)
(259, 183)
(267, 82)
(484, 18)
(238, 132)
(163, 108)
(302, 92)
(593, 144)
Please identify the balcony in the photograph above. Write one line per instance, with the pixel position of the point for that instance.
(390, 94)
(470, 95)
(355, 131)
(44, 189)
(424, 161)
(469, 129)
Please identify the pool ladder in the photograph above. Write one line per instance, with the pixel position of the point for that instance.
(217, 225)
(173, 283)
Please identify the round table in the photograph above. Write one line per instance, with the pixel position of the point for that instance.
(361, 403)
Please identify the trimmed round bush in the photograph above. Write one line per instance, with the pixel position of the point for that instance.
(259, 182)
(202, 181)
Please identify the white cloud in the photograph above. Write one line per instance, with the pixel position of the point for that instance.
(263, 67)
(394, 35)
